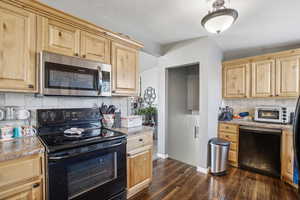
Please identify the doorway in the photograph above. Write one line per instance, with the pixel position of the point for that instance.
(182, 109)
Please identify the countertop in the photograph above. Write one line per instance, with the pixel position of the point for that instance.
(259, 124)
(20, 147)
(135, 130)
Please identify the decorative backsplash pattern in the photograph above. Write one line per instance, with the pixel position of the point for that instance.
(248, 105)
(32, 103)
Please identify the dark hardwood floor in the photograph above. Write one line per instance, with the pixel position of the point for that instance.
(173, 180)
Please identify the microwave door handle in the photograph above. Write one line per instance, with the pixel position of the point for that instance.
(100, 80)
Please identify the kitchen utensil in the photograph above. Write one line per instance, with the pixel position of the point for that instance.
(6, 132)
(2, 114)
(29, 131)
(18, 132)
(9, 113)
(22, 114)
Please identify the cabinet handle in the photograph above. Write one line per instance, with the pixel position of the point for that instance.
(84, 56)
(76, 54)
(276, 95)
(59, 34)
(4, 26)
(114, 91)
(35, 185)
(30, 86)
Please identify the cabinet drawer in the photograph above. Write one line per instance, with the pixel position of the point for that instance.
(228, 136)
(232, 156)
(138, 141)
(15, 171)
(228, 127)
(233, 146)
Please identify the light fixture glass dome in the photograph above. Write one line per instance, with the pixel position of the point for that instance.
(219, 20)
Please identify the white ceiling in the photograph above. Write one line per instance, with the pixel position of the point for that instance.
(261, 24)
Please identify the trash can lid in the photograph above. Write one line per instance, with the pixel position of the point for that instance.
(219, 141)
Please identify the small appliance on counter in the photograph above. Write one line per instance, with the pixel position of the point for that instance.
(226, 114)
(272, 114)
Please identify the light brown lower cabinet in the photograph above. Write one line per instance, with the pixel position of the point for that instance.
(139, 163)
(28, 191)
(287, 157)
(22, 179)
(230, 132)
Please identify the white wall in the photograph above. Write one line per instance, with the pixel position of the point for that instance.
(209, 55)
(149, 72)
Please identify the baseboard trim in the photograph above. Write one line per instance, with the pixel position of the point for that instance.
(202, 170)
(163, 156)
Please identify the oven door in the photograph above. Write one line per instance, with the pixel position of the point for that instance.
(71, 76)
(99, 174)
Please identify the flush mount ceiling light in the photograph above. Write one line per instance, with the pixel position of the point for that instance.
(220, 18)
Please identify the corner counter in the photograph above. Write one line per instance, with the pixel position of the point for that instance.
(20, 147)
(259, 124)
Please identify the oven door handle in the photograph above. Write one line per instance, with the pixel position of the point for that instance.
(100, 80)
(55, 158)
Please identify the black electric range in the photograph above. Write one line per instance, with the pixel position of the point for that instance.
(87, 163)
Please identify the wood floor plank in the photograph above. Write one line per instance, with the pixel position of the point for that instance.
(174, 180)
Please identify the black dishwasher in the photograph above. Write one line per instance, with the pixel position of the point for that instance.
(259, 150)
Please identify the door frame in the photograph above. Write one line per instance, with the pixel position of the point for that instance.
(163, 133)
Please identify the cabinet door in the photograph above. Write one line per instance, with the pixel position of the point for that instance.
(139, 168)
(17, 49)
(287, 168)
(125, 70)
(287, 76)
(236, 81)
(60, 38)
(94, 47)
(263, 78)
(29, 191)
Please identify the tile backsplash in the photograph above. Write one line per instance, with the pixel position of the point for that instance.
(248, 105)
(32, 103)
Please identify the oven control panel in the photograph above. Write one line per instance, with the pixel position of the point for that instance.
(53, 116)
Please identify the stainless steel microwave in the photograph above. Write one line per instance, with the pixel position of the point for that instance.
(71, 76)
(273, 114)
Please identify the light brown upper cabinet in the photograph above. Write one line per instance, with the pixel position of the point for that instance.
(287, 76)
(125, 70)
(94, 47)
(65, 39)
(60, 38)
(236, 80)
(263, 78)
(17, 49)
(275, 75)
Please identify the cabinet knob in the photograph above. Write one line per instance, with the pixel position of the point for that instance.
(141, 139)
(35, 185)
(114, 91)
(30, 86)
(76, 54)
(59, 34)
(84, 56)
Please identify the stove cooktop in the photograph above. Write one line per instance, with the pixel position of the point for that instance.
(61, 141)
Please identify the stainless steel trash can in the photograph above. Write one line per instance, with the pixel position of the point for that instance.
(218, 156)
